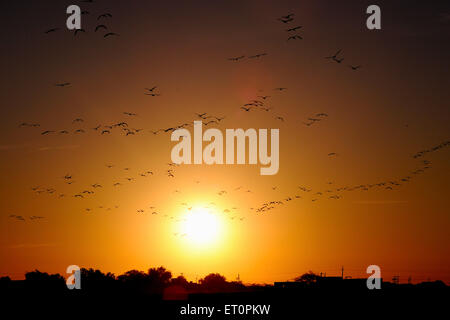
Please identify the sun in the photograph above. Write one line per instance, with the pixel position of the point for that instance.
(202, 227)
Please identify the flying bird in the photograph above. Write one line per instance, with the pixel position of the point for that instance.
(105, 15)
(257, 55)
(110, 34)
(78, 30)
(63, 84)
(354, 67)
(51, 30)
(335, 55)
(294, 29)
(285, 20)
(236, 58)
(100, 26)
(150, 89)
(294, 37)
(288, 16)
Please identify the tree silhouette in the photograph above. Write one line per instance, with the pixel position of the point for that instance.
(159, 277)
(214, 282)
(308, 278)
(180, 281)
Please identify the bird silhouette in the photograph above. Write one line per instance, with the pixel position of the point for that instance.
(354, 67)
(109, 34)
(294, 37)
(105, 15)
(257, 55)
(63, 84)
(294, 29)
(78, 31)
(100, 26)
(51, 30)
(334, 56)
(150, 89)
(236, 58)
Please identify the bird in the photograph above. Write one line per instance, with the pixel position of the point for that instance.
(264, 97)
(338, 61)
(51, 30)
(246, 109)
(201, 115)
(153, 94)
(100, 26)
(105, 15)
(130, 114)
(63, 84)
(257, 55)
(354, 67)
(236, 58)
(335, 55)
(110, 34)
(288, 16)
(78, 30)
(279, 118)
(332, 154)
(296, 36)
(47, 132)
(77, 120)
(150, 89)
(287, 20)
(294, 28)
(105, 131)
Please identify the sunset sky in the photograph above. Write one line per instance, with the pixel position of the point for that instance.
(378, 117)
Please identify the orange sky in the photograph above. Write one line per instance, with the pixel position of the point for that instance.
(378, 118)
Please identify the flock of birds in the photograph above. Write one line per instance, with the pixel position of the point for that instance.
(123, 126)
(294, 35)
(99, 26)
(234, 213)
(258, 104)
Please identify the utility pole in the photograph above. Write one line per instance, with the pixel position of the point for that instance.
(342, 272)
